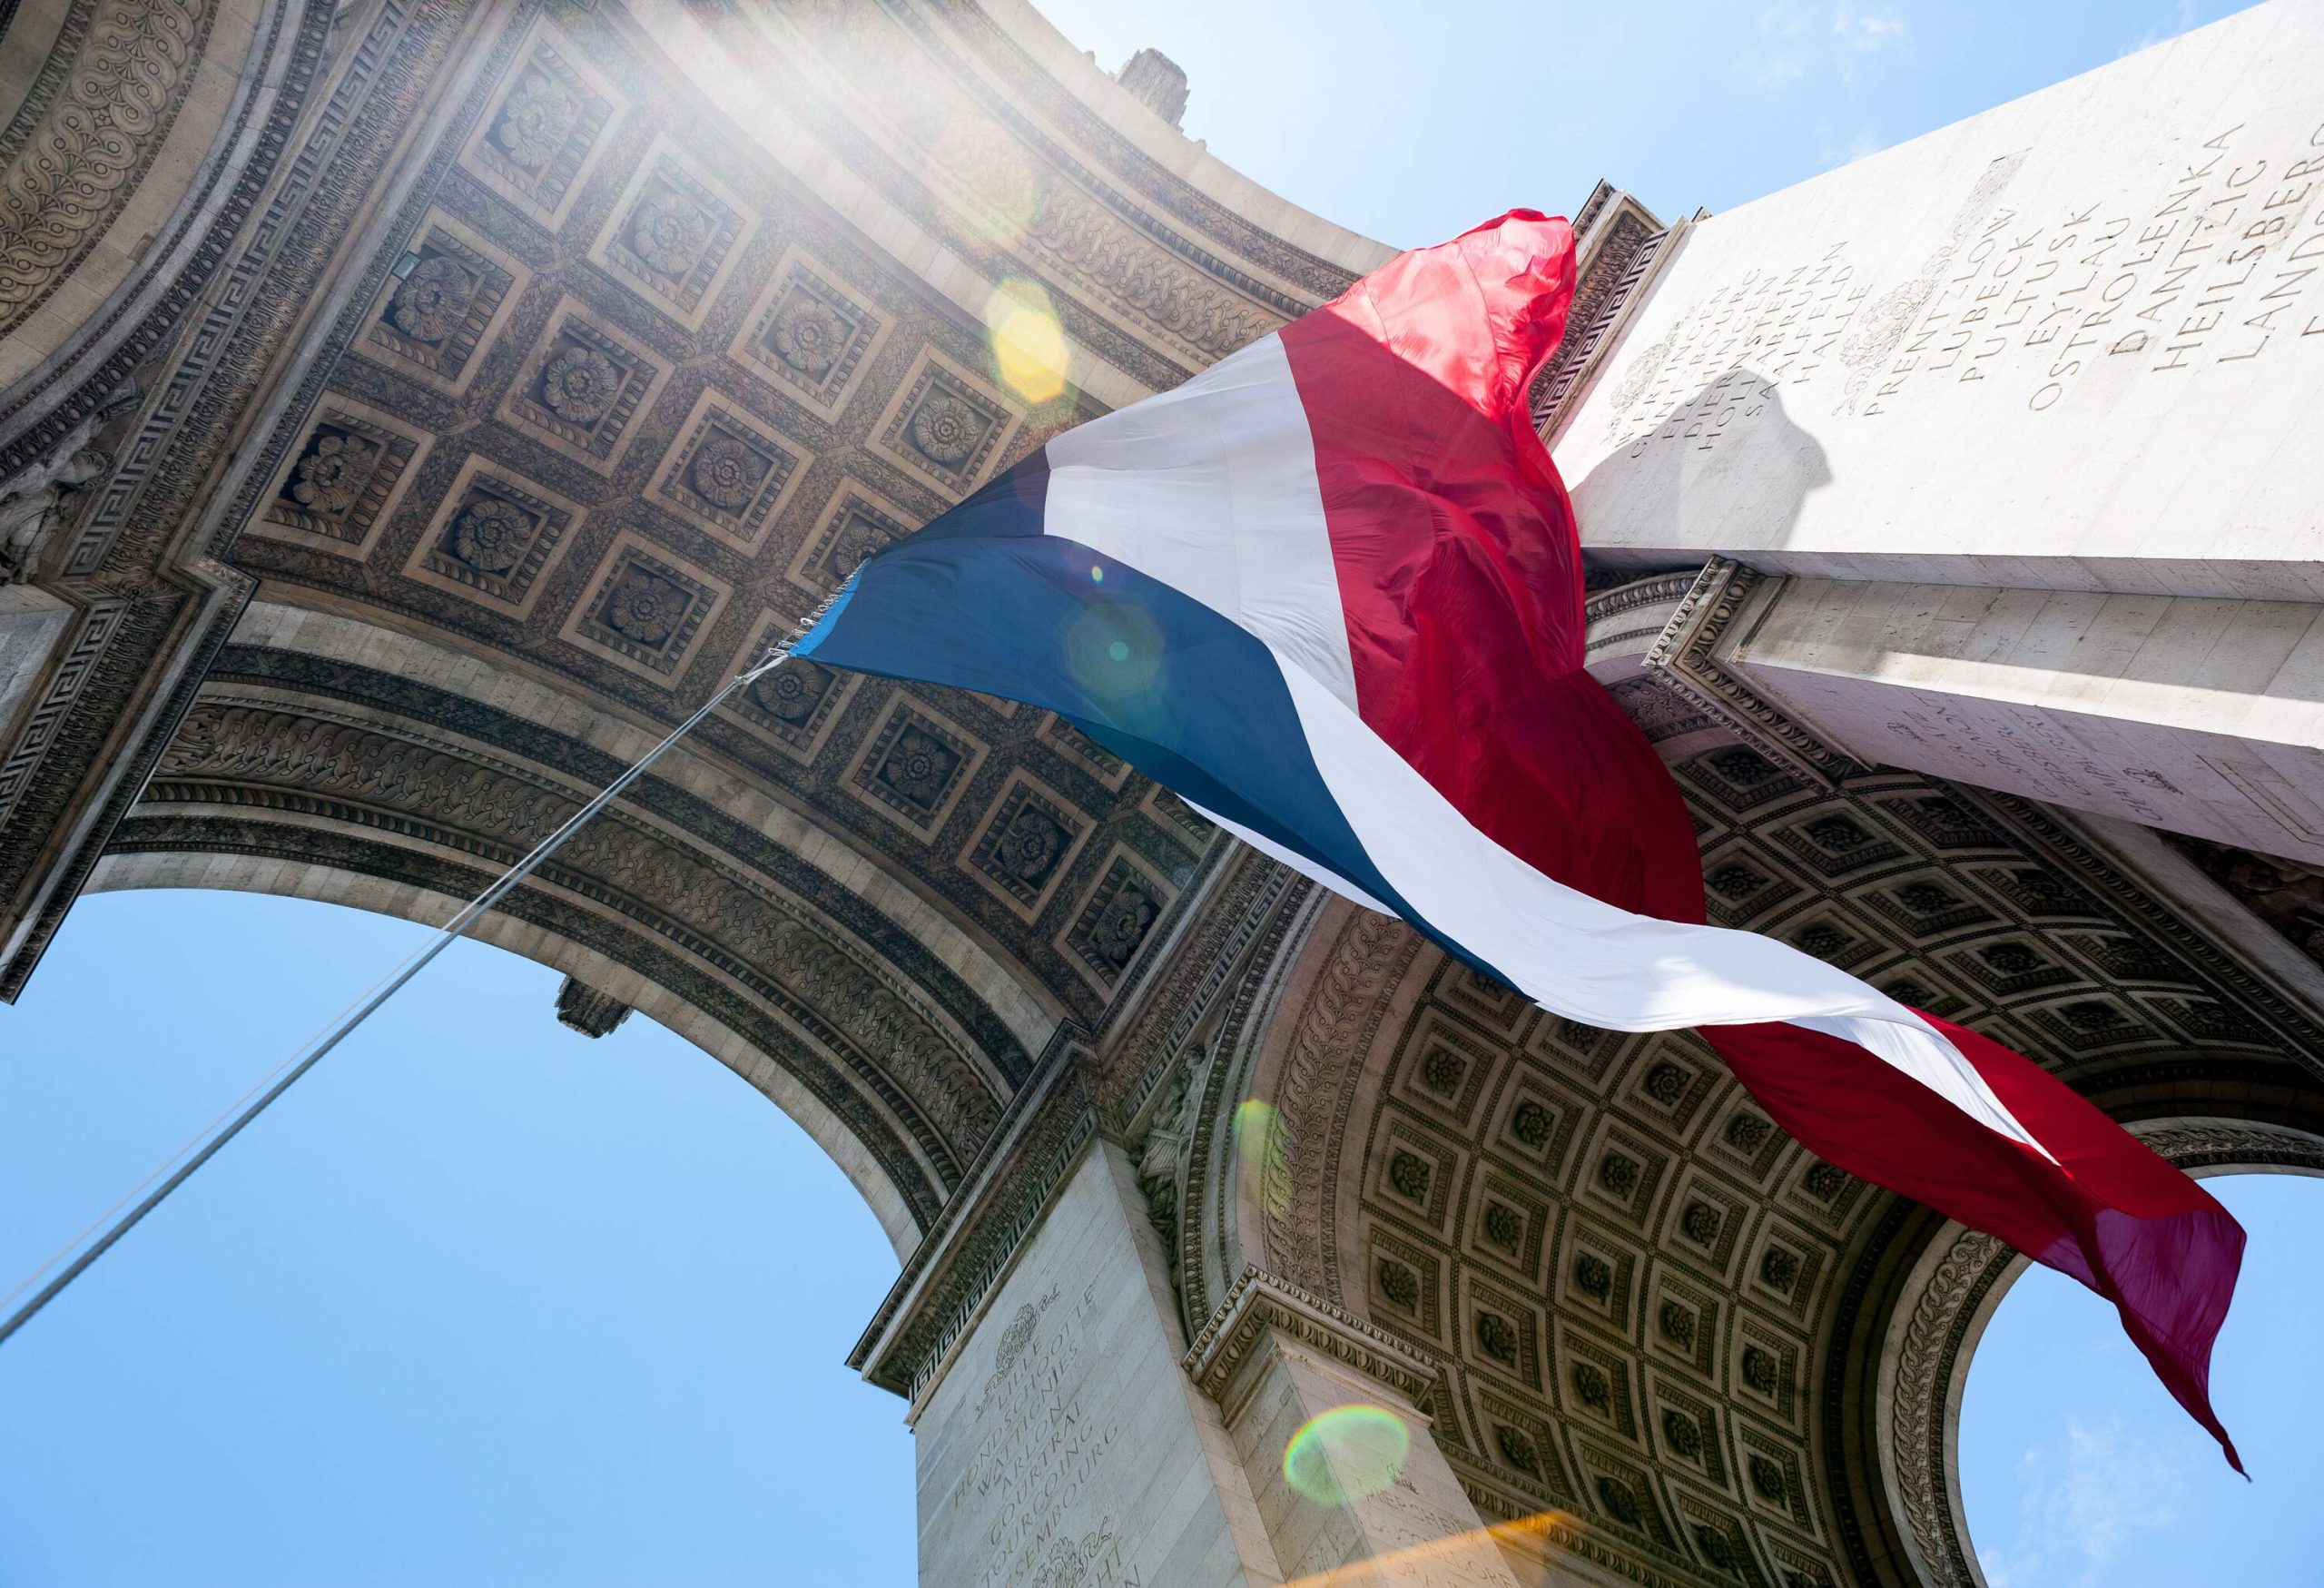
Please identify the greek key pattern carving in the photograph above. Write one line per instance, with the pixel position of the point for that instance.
(80, 662)
(97, 116)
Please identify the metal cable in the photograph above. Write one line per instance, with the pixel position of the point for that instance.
(287, 1074)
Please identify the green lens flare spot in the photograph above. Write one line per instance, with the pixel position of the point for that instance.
(1098, 574)
(1346, 1454)
(1259, 1148)
(1119, 650)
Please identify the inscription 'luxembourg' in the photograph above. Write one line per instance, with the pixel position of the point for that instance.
(1038, 1456)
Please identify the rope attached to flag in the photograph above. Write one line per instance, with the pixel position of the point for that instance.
(109, 1225)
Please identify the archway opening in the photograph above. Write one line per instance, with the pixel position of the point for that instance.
(481, 1299)
(2075, 1466)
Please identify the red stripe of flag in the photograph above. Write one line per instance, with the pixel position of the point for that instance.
(1459, 569)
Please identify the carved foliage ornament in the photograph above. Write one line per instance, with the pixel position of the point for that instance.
(580, 384)
(669, 232)
(95, 118)
(490, 535)
(434, 299)
(535, 122)
(809, 335)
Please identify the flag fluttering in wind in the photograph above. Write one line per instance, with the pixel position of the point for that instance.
(1330, 591)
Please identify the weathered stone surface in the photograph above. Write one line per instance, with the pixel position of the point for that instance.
(2068, 343)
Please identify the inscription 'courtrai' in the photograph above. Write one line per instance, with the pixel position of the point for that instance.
(1037, 1456)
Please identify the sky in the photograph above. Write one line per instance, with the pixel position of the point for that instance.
(484, 1301)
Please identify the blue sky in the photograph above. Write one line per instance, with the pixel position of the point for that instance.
(484, 1301)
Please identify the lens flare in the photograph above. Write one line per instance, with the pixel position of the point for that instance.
(1348, 1452)
(1115, 651)
(1029, 349)
(1259, 1148)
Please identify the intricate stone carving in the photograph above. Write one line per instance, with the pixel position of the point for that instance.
(945, 425)
(1684, 656)
(88, 130)
(582, 1008)
(1260, 1302)
(33, 502)
(647, 608)
(1114, 923)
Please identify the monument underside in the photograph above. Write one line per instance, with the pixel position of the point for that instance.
(452, 397)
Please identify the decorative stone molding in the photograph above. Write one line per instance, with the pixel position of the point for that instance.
(1333, 1031)
(1260, 1302)
(97, 114)
(1624, 620)
(440, 793)
(1686, 655)
(943, 1288)
(582, 1008)
(1621, 245)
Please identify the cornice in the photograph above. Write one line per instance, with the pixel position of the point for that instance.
(1260, 1303)
(970, 1246)
(1686, 655)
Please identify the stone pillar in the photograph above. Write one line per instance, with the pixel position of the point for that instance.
(1275, 1360)
(2195, 715)
(1068, 1438)
(2075, 344)
(1058, 1441)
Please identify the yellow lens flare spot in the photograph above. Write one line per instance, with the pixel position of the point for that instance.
(1259, 1147)
(1349, 1453)
(1029, 348)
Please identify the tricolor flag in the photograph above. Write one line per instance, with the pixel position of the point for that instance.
(1330, 592)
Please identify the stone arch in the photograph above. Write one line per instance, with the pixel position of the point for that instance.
(329, 758)
(268, 638)
(364, 891)
(1652, 1314)
(1932, 1288)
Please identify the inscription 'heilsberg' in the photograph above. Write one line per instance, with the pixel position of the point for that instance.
(2218, 267)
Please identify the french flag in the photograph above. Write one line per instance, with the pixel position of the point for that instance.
(1330, 592)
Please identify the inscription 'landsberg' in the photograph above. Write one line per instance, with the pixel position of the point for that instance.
(2218, 266)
